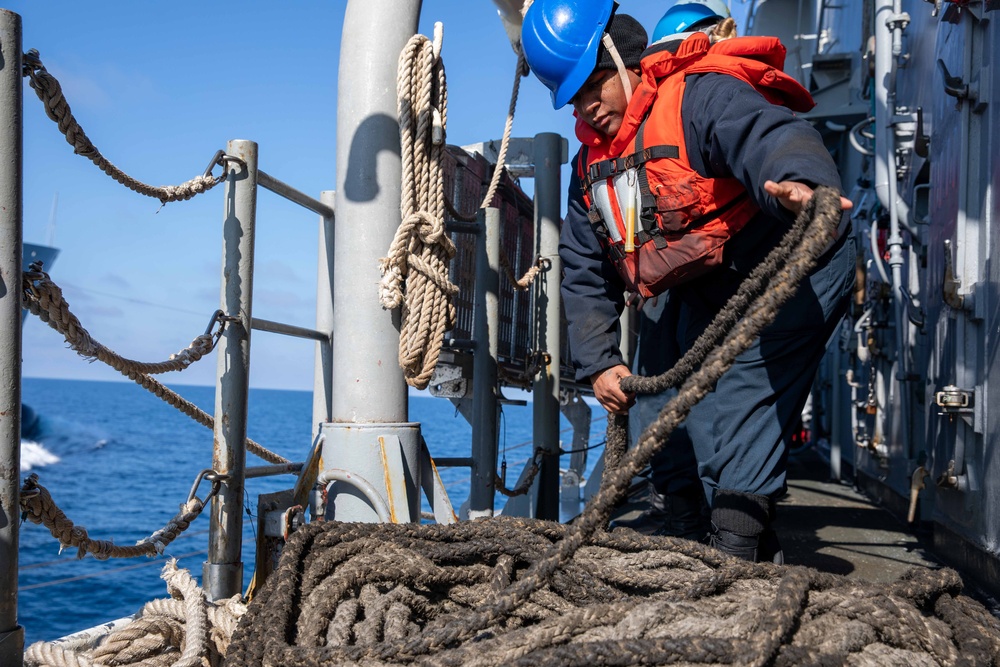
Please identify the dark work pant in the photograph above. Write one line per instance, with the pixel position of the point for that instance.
(742, 429)
(674, 468)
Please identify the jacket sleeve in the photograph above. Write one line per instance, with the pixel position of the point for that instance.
(592, 291)
(731, 130)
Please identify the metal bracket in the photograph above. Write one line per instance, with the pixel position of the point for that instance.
(954, 400)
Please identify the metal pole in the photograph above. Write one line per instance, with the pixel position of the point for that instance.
(549, 155)
(484, 366)
(369, 382)
(322, 380)
(11, 220)
(223, 572)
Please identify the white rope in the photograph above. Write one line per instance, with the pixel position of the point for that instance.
(415, 271)
(185, 631)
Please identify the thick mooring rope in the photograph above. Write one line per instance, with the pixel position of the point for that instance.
(523, 592)
(366, 594)
(421, 249)
(50, 93)
(185, 631)
(37, 506)
(44, 298)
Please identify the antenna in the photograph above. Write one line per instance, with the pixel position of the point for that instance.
(50, 231)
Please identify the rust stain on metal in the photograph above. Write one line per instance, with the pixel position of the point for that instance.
(388, 479)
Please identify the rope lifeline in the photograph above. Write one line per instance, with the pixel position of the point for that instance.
(38, 507)
(49, 91)
(44, 298)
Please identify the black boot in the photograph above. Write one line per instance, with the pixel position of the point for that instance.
(741, 527)
(683, 514)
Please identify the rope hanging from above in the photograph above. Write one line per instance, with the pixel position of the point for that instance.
(415, 271)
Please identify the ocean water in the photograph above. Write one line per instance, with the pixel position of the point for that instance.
(119, 462)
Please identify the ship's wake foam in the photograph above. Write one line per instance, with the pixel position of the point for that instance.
(34, 455)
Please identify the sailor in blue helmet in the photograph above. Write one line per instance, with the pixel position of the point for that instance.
(648, 184)
(675, 500)
(691, 16)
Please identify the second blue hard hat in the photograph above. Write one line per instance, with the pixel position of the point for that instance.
(687, 13)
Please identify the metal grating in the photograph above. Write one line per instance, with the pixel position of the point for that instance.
(466, 180)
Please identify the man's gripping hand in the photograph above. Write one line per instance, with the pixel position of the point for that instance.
(608, 391)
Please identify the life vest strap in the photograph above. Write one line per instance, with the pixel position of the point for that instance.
(612, 166)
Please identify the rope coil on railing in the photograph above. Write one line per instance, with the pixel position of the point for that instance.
(185, 631)
(415, 271)
(43, 298)
(49, 91)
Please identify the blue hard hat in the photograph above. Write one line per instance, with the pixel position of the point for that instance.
(687, 13)
(560, 39)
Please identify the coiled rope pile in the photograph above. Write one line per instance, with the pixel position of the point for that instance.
(523, 592)
(184, 631)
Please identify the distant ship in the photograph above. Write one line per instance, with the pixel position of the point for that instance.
(30, 422)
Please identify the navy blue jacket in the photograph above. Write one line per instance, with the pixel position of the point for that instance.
(730, 130)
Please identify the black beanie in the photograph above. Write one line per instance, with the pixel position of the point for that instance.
(630, 39)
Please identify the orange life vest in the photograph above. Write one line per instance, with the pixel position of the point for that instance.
(661, 222)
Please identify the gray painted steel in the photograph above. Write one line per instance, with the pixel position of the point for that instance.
(223, 572)
(11, 230)
(384, 455)
(366, 372)
(550, 154)
(281, 188)
(288, 330)
(323, 374)
(484, 366)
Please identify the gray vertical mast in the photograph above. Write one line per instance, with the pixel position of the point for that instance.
(11, 220)
(369, 435)
(366, 373)
(549, 157)
(223, 572)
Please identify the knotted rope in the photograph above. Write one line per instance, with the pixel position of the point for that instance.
(49, 91)
(43, 298)
(38, 507)
(184, 631)
(421, 249)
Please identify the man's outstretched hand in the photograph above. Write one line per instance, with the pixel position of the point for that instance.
(794, 195)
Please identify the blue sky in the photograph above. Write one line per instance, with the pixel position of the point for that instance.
(159, 87)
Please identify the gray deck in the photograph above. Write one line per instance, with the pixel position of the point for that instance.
(832, 527)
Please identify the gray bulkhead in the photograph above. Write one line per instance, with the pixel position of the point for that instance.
(903, 397)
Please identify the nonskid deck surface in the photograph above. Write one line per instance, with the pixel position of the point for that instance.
(834, 528)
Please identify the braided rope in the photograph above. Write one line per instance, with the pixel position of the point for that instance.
(421, 249)
(524, 486)
(39, 508)
(186, 631)
(44, 298)
(49, 91)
